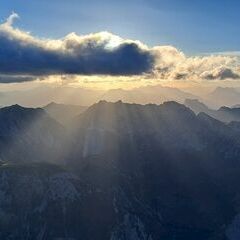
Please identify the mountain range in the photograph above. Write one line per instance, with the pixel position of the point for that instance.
(224, 114)
(119, 171)
(155, 94)
(223, 96)
(149, 94)
(41, 96)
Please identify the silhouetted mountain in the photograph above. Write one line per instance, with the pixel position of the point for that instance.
(156, 94)
(224, 114)
(139, 172)
(223, 97)
(41, 96)
(236, 106)
(28, 134)
(182, 168)
(63, 113)
(196, 106)
(170, 123)
(149, 94)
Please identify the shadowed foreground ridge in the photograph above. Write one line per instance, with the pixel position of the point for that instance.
(130, 172)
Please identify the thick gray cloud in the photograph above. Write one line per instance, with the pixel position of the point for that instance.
(13, 78)
(126, 59)
(24, 56)
(100, 53)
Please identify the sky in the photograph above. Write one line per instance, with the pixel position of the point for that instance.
(191, 25)
(126, 40)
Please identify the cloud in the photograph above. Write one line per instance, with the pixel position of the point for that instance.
(221, 73)
(207, 68)
(24, 55)
(99, 53)
(11, 18)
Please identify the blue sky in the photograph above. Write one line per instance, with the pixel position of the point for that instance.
(193, 26)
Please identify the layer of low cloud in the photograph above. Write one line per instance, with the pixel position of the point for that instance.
(24, 57)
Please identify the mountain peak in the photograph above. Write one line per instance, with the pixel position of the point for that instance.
(19, 108)
(224, 108)
(196, 105)
(20, 113)
(225, 89)
(208, 119)
(108, 115)
(168, 104)
(14, 106)
(175, 106)
(52, 104)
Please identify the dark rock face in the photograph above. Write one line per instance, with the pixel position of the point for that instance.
(131, 172)
(43, 201)
(37, 201)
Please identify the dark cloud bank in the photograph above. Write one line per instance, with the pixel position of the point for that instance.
(126, 59)
(24, 57)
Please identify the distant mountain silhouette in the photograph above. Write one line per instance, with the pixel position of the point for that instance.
(236, 106)
(149, 94)
(196, 106)
(155, 94)
(41, 96)
(224, 114)
(138, 172)
(223, 96)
